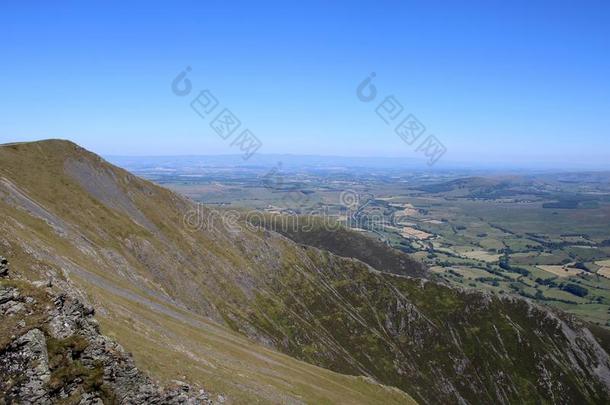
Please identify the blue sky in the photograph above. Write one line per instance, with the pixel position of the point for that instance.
(494, 81)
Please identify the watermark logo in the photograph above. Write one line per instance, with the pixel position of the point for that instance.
(247, 143)
(372, 219)
(349, 199)
(201, 218)
(196, 218)
(181, 86)
(366, 90)
(225, 124)
(204, 103)
(361, 214)
(409, 129)
(389, 109)
(432, 148)
(273, 179)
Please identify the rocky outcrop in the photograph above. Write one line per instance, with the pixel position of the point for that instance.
(3, 267)
(51, 351)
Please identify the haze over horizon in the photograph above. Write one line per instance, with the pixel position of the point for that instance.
(286, 160)
(489, 80)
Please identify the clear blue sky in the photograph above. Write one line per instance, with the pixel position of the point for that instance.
(523, 81)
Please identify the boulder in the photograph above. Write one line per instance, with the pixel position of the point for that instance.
(64, 358)
(3, 267)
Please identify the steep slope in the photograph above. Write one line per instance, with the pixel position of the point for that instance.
(437, 343)
(159, 287)
(170, 278)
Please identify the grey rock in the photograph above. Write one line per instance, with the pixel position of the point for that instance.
(3, 267)
(29, 377)
(24, 366)
(10, 301)
(8, 294)
(12, 308)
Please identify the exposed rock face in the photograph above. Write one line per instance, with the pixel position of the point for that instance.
(51, 350)
(3, 267)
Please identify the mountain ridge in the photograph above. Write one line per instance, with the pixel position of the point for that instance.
(159, 283)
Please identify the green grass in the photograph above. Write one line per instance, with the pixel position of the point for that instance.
(225, 363)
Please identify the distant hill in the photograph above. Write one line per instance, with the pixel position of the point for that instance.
(486, 187)
(199, 299)
(473, 184)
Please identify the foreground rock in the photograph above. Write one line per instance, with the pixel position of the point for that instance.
(51, 351)
(3, 267)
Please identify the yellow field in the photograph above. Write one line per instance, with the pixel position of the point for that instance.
(410, 212)
(405, 223)
(408, 209)
(412, 233)
(604, 271)
(482, 255)
(559, 270)
(605, 268)
(471, 273)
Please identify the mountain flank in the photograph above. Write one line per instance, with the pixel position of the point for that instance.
(160, 288)
(214, 305)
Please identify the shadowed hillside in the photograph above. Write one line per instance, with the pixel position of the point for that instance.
(343, 242)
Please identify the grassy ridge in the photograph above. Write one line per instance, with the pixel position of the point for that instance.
(172, 294)
(158, 286)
